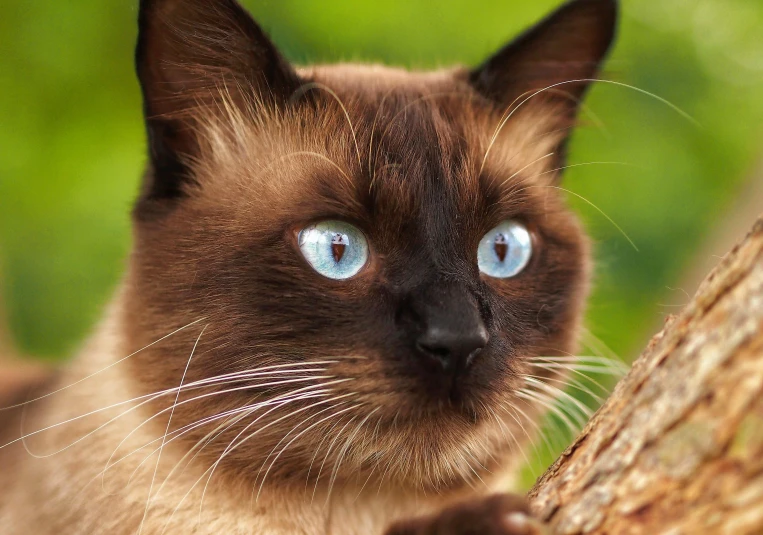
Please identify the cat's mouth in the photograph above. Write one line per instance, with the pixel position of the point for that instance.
(455, 402)
(432, 422)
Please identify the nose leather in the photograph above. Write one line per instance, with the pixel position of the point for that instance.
(451, 331)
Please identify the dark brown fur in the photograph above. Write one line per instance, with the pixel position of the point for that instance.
(246, 150)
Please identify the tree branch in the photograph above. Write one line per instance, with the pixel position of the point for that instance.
(678, 446)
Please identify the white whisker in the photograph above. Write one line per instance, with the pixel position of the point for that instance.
(325, 458)
(566, 82)
(537, 160)
(151, 397)
(247, 409)
(514, 440)
(601, 370)
(573, 383)
(102, 369)
(516, 410)
(317, 449)
(559, 394)
(553, 406)
(167, 429)
(230, 448)
(343, 452)
(301, 433)
(235, 445)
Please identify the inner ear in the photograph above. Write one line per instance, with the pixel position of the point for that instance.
(559, 56)
(195, 58)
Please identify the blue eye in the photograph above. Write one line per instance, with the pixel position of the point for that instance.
(505, 251)
(335, 249)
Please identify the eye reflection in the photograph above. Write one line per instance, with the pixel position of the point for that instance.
(338, 245)
(501, 244)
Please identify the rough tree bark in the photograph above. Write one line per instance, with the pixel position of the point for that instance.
(678, 446)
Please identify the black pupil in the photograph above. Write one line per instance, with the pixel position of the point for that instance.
(338, 246)
(501, 245)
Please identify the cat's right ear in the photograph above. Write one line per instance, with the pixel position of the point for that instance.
(557, 59)
(195, 57)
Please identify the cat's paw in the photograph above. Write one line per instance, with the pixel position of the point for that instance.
(501, 514)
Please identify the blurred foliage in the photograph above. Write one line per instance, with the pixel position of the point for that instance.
(72, 142)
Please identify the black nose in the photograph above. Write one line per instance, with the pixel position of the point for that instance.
(448, 327)
(452, 348)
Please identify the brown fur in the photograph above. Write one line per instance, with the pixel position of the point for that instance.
(245, 152)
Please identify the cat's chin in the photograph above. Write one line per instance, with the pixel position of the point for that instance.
(450, 450)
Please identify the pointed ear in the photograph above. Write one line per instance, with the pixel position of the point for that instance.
(191, 56)
(566, 49)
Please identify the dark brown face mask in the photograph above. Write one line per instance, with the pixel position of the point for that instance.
(246, 152)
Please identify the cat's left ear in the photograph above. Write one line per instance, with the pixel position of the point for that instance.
(560, 57)
(198, 58)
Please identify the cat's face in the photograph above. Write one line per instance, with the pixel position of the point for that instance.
(369, 257)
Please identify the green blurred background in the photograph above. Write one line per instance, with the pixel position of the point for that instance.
(72, 142)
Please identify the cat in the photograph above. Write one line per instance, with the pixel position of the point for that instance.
(343, 278)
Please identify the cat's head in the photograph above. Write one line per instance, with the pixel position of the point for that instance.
(364, 259)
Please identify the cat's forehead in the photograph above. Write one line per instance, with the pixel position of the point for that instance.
(365, 141)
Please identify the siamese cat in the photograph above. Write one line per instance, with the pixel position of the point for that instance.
(345, 282)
